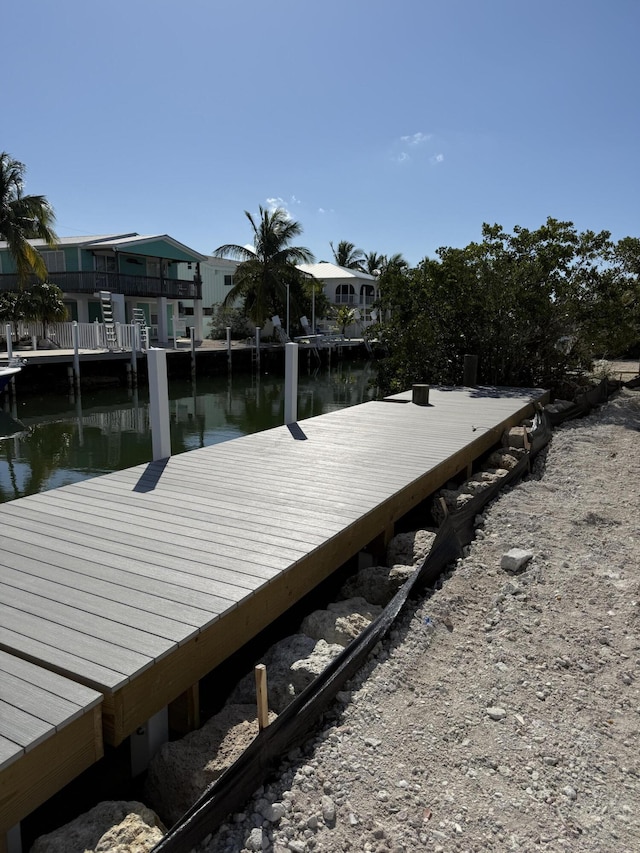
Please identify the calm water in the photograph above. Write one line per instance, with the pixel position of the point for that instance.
(66, 440)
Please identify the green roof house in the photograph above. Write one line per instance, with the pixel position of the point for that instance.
(141, 272)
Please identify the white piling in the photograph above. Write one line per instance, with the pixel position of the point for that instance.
(159, 403)
(9, 341)
(135, 330)
(192, 336)
(290, 383)
(76, 352)
(229, 347)
(147, 740)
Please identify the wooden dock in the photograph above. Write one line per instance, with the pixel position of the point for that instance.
(138, 583)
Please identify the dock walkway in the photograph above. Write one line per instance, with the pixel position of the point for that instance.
(136, 584)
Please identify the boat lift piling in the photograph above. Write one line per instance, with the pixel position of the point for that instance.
(290, 383)
(76, 354)
(192, 338)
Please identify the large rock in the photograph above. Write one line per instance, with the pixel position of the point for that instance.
(304, 671)
(278, 660)
(409, 549)
(109, 827)
(376, 584)
(342, 622)
(183, 769)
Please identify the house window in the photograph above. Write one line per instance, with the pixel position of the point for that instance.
(228, 281)
(54, 260)
(366, 294)
(345, 294)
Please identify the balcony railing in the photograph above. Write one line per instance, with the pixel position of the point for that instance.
(353, 299)
(129, 285)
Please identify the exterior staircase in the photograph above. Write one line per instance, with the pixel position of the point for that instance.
(106, 306)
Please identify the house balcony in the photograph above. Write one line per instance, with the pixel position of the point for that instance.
(137, 286)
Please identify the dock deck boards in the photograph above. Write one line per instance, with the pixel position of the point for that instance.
(139, 582)
(50, 730)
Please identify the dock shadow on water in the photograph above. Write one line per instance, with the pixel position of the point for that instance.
(68, 439)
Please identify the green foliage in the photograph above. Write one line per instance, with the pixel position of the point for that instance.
(262, 277)
(23, 218)
(41, 302)
(233, 316)
(346, 255)
(531, 305)
(344, 316)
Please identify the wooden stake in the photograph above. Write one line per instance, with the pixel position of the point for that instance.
(445, 508)
(262, 696)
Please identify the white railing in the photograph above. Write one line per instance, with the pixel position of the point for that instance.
(91, 336)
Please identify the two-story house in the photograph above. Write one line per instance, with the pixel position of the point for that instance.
(343, 286)
(140, 272)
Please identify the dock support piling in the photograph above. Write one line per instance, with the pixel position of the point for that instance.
(420, 395)
(258, 347)
(229, 347)
(147, 740)
(159, 403)
(9, 341)
(12, 840)
(184, 712)
(290, 383)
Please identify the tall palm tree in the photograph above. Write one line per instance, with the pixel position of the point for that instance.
(347, 255)
(262, 277)
(373, 263)
(23, 218)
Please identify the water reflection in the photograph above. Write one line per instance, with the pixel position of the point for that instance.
(61, 439)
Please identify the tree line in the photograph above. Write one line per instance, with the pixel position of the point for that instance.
(533, 306)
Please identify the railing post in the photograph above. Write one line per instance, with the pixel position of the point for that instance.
(118, 336)
(96, 332)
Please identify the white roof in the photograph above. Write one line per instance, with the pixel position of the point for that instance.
(325, 270)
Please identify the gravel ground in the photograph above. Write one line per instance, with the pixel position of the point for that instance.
(503, 711)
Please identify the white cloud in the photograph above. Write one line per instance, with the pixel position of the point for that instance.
(416, 138)
(279, 202)
(402, 157)
(437, 158)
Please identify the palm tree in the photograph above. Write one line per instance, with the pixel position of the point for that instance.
(395, 262)
(262, 277)
(346, 255)
(373, 263)
(23, 218)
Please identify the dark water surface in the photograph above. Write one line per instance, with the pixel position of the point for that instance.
(61, 440)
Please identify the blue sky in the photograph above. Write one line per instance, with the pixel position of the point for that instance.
(400, 126)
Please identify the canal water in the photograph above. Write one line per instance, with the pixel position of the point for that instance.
(52, 440)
